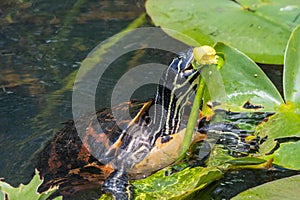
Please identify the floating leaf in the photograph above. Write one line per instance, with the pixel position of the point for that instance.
(27, 192)
(284, 124)
(218, 156)
(287, 155)
(261, 29)
(178, 185)
(244, 80)
(106, 197)
(291, 73)
(290, 190)
(268, 146)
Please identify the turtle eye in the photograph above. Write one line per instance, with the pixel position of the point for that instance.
(175, 64)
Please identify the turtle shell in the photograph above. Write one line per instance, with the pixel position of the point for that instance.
(66, 160)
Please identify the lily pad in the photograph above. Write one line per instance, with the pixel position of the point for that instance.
(218, 157)
(181, 185)
(261, 29)
(284, 127)
(27, 192)
(284, 124)
(245, 81)
(288, 155)
(290, 190)
(291, 75)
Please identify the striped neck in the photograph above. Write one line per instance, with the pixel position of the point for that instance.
(173, 95)
(175, 91)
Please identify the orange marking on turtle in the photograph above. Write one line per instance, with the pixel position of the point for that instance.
(106, 170)
(139, 114)
(74, 171)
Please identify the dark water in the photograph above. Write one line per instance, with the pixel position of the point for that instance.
(42, 43)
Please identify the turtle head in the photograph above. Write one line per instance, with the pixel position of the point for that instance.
(180, 72)
(182, 64)
(188, 63)
(178, 85)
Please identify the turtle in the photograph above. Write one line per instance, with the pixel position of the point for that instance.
(128, 149)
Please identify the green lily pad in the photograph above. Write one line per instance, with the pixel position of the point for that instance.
(181, 185)
(27, 192)
(106, 197)
(286, 188)
(267, 147)
(288, 155)
(218, 156)
(284, 124)
(291, 75)
(244, 80)
(261, 29)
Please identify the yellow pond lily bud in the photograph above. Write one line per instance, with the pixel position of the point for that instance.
(205, 55)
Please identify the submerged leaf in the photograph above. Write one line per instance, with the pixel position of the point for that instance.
(268, 146)
(218, 156)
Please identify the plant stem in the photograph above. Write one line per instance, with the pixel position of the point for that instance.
(192, 118)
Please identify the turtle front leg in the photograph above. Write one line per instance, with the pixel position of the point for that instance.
(117, 184)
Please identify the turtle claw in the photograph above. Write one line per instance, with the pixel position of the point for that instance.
(118, 186)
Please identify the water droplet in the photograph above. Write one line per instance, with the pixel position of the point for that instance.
(287, 8)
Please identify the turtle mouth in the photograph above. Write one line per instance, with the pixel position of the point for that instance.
(188, 70)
